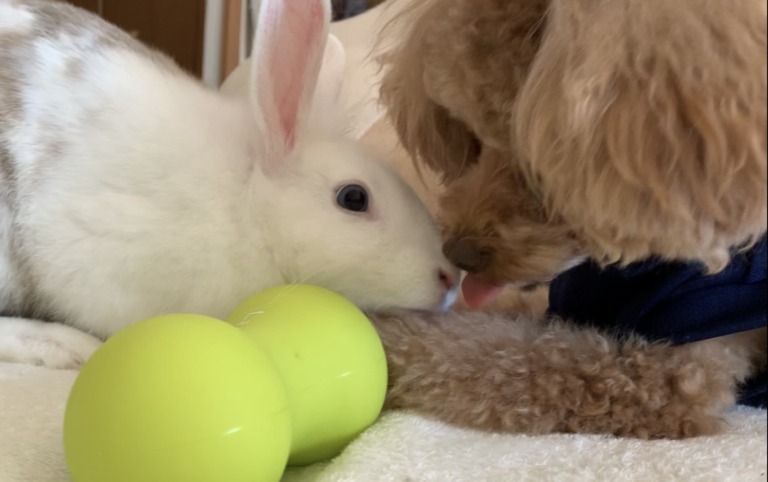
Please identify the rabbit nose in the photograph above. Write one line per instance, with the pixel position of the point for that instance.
(465, 255)
(448, 281)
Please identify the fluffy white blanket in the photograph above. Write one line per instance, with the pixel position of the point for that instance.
(406, 447)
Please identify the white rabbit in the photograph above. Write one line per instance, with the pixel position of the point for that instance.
(128, 189)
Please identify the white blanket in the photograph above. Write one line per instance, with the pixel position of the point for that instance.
(406, 447)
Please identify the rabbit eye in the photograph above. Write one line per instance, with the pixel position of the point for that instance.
(352, 197)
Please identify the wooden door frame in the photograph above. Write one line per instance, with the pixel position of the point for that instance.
(231, 37)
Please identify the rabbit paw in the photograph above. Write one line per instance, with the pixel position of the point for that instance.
(51, 345)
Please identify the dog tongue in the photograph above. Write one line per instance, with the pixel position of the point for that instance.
(478, 293)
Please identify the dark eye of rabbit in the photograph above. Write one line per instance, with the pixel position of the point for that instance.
(352, 197)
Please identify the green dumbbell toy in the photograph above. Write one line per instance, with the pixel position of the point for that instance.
(295, 374)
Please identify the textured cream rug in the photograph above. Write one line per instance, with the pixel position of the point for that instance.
(404, 447)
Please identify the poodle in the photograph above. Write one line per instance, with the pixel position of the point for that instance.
(614, 151)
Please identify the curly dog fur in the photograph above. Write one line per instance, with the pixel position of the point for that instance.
(638, 127)
(522, 375)
(566, 130)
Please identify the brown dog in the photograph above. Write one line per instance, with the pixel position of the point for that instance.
(572, 130)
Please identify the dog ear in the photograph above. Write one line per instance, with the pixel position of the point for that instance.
(650, 147)
(431, 135)
(426, 130)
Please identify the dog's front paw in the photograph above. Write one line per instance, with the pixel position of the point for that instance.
(46, 344)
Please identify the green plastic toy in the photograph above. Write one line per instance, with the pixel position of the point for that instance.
(296, 374)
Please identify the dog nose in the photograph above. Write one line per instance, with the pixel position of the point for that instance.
(465, 255)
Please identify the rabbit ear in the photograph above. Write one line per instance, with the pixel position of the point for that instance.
(285, 63)
(332, 71)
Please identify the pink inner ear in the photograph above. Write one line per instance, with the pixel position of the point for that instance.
(294, 62)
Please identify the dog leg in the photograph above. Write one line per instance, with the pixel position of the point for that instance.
(498, 373)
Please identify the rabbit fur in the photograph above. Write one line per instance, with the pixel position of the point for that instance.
(128, 189)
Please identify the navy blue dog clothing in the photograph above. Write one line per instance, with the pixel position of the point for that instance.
(672, 301)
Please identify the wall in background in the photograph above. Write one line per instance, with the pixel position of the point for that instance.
(349, 8)
(208, 46)
(174, 26)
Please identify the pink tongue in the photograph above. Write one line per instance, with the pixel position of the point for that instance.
(478, 293)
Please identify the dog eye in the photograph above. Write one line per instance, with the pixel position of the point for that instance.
(352, 197)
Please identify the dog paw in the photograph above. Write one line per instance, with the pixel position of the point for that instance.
(51, 345)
